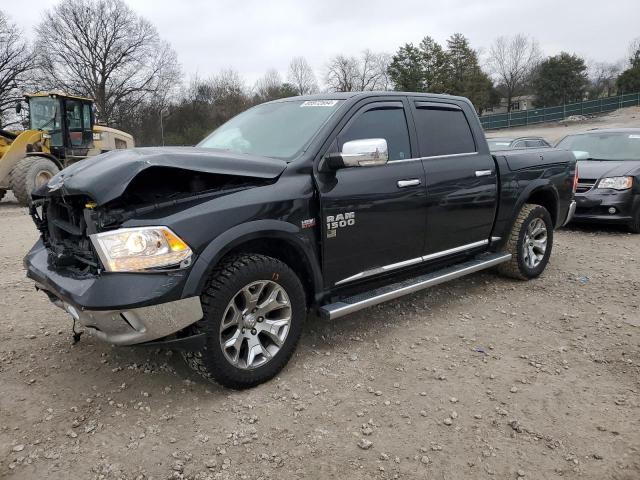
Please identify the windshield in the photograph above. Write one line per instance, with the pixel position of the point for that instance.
(277, 130)
(44, 113)
(498, 144)
(605, 145)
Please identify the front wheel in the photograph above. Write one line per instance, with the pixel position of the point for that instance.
(530, 243)
(254, 307)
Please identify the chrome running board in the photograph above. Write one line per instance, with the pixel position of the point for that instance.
(395, 290)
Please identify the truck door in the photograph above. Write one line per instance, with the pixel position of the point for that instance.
(460, 176)
(373, 217)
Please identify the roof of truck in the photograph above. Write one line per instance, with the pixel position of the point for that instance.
(374, 93)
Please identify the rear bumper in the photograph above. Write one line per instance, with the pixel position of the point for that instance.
(122, 309)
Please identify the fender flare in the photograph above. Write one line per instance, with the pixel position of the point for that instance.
(539, 185)
(258, 229)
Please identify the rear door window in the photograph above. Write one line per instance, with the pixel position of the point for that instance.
(442, 129)
(386, 120)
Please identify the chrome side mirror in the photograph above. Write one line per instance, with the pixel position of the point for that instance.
(369, 152)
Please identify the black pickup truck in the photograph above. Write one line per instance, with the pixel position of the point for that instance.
(328, 203)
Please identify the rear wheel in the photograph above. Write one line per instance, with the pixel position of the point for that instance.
(254, 307)
(31, 173)
(530, 243)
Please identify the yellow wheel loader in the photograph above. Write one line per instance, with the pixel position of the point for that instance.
(62, 131)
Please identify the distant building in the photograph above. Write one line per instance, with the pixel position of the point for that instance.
(523, 102)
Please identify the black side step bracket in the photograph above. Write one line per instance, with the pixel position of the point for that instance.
(395, 290)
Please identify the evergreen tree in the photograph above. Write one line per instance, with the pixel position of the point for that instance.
(629, 80)
(560, 79)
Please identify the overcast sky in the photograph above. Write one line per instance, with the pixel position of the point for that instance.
(252, 36)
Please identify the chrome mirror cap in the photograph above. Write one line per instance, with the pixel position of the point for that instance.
(369, 152)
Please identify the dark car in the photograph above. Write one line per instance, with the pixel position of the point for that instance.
(513, 143)
(328, 203)
(608, 175)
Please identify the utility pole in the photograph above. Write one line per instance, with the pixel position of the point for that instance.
(162, 116)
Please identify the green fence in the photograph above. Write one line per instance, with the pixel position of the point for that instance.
(553, 114)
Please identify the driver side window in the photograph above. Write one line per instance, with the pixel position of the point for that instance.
(384, 122)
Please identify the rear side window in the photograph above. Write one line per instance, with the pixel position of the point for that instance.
(388, 123)
(443, 131)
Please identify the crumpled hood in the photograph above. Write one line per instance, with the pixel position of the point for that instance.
(593, 169)
(106, 176)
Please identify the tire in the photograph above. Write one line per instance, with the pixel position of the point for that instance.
(225, 310)
(522, 265)
(30, 173)
(634, 225)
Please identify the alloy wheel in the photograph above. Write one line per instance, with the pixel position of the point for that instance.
(535, 243)
(255, 324)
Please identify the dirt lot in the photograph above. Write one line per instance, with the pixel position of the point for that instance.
(480, 378)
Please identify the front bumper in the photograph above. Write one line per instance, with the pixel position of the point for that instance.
(138, 325)
(594, 206)
(119, 308)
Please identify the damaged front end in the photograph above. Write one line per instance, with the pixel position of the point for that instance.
(112, 261)
(64, 224)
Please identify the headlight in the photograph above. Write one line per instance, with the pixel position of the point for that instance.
(617, 183)
(143, 248)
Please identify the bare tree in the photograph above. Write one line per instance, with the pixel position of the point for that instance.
(513, 60)
(104, 50)
(268, 87)
(301, 76)
(352, 74)
(633, 55)
(372, 71)
(15, 62)
(342, 73)
(602, 78)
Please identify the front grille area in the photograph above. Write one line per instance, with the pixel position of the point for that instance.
(63, 228)
(585, 184)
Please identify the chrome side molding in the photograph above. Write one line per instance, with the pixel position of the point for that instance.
(389, 292)
(413, 261)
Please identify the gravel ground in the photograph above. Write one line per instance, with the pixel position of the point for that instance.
(479, 378)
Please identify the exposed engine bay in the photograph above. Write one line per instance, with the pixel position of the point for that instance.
(66, 221)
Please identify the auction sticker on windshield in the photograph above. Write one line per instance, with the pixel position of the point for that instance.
(319, 103)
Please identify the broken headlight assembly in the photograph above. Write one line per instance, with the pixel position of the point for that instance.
(141, 248)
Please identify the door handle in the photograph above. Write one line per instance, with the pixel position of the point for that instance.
(483, 173)
(408, 183)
